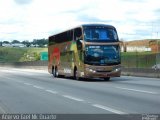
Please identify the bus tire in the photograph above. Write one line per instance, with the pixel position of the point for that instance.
(106, 78)
(53, 71)
(56, 74)
(75, 76)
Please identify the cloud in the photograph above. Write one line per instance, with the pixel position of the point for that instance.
(135, 1)
(91, 19)
(31, 19)
(23, 2)
(157, 10)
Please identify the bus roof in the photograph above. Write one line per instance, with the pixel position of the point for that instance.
(85, 25)
(90, 25)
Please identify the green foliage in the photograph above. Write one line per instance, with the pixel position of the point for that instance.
(32, 54)
(11, 54)
(15, 41)
(139, 59)
(20, 54)
(5, 42)
(26, 42)
(40, 42)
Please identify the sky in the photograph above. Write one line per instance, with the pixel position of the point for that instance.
(37, 19)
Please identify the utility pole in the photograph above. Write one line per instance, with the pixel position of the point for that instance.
(152, 31)
(157, 35)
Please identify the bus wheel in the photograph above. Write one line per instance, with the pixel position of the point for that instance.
(107, 78)
(76, 74)
(53, 72)
(56, 72)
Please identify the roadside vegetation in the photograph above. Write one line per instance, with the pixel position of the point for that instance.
(11, 54)
(140, 59)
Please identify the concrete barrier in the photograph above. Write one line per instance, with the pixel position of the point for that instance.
(141, 72)
(30, 64)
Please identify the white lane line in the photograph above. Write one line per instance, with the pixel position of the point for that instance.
(27, 83)
(33, 70)
(108, 109)
(73, 98)
(19, 81)
(2, 110)
(51, 91)
(39, 87)
(142, 91)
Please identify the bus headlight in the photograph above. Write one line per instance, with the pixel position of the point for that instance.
(116, 69)
(90, 70)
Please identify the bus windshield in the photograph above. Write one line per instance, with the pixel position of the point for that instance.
(100, 34)
(102, 55)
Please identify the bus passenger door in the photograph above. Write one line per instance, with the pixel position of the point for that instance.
(79, 43)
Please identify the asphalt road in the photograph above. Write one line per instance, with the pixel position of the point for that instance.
(36, 91)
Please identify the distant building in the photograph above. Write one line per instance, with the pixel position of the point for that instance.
(18, 45)
(6, 45)
(155, 45)
(32, 45)
(13, 45)
(140, 46)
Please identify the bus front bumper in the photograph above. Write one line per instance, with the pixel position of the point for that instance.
(102, 72)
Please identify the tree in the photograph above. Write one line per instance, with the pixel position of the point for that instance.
(5, 42)
(0, 43)
(15, 41)
(40, 42)
(26, 42)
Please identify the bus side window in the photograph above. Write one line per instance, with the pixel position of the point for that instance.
(78, 34)
(78, 37)
(70, 35)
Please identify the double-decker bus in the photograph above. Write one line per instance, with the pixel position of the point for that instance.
(87, 51)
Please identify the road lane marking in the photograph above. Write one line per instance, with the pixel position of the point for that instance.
(108, 109)
(39, 87)
(2, 110)
(73, 98)
(27, 83)
(51, 91)
(142, 91)
(19, 81)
